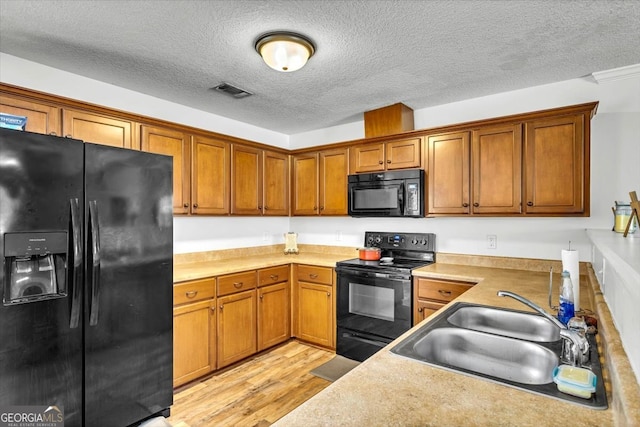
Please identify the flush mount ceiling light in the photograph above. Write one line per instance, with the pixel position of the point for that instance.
(285, 51)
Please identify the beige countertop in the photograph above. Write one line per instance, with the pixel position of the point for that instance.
(388, 389)
(194, 268)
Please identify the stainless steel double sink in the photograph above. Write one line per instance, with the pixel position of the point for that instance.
(510, 347)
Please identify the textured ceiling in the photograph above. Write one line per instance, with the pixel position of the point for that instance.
(369, 53)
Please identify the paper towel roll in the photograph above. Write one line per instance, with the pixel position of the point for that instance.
(570, 263)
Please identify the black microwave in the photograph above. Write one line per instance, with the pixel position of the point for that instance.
(387, 194)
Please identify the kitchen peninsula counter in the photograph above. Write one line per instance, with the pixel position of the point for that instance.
(388, 389)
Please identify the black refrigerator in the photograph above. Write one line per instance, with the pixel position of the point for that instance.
(86, 241)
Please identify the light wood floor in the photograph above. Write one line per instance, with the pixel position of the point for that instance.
(256, 393)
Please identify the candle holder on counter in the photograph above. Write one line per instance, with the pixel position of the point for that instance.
(635, 217)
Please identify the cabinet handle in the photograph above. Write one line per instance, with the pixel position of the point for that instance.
(238, 285)
(313, 276)
(328, 294)
(261, 295)
(186, 205)
(266, 208)
(221, 307)
(388, 161)
(529, 203)
(213, 308)
(380, 162)
(259, 207)
(321, 208)
(465, 205)
(273, 277)
(419, 309)
(53, 134)
(68, 136)
(195, 205)
(191, 294)
(315, 208)
(444, 293)
(476, 204)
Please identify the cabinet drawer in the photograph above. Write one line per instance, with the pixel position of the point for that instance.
(233, 283)
(441, 290)
(310, 273)
(269, 276)
(197, 290)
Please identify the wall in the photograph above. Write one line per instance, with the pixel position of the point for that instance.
(615, 155)
(190, 234)
(614, 172)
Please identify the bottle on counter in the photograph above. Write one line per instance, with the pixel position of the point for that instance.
(566, 309)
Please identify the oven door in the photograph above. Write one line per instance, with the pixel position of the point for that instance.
(372, 309)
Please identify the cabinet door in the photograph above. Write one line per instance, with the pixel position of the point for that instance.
(210, 176)
(496, 155)
(367, 158)
(276, 184)
(424, 309)
(305, 184)
(41, 118)
(246, 180)
(555, 166)
(403, 154)
(193, 341)
(315, 313)
(99, 129)
(176, 144)
(236, 327)
(448, 174)
(333, 174)
(274, 315)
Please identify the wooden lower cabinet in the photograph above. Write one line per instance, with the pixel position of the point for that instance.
(315, 305)
(430, 295)
(274, 306)
(237, 327)
(274, 324)
(194, 331)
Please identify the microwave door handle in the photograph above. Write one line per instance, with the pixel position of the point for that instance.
(401, 198)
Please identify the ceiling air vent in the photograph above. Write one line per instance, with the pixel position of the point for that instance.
(231, 90)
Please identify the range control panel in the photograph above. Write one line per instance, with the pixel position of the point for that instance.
(406, 241)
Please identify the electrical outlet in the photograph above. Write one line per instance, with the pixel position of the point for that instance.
(492, 241)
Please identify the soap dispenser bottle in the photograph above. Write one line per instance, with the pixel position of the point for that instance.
(566, 308)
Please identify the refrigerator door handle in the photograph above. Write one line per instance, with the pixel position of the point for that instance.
(75, 271)
(95, 263)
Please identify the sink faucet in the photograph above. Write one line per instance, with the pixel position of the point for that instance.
(575, 348)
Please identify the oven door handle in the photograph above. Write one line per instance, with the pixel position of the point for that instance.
(356, 337)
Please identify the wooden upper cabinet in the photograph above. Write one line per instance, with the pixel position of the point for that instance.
(210, 176)
(556, 179)
(403, 154)
(320, 182)
(375, 157)
(99, 129)
(333, 173)
(305, 184)
(275, 183)
(448, 175)
(496, 167)
(41, 118)
(246, 180)
(177, 144)
(367, 158)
